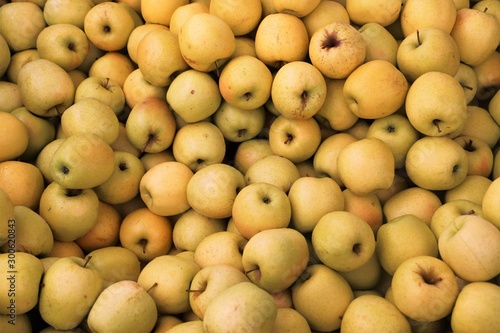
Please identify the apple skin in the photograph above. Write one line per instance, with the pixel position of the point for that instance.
(420, 279)
(343, 241)
(476, 309)
(448, 211)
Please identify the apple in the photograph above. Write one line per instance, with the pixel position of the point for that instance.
(194, 95)
(5, 56)
(417, 14)
(446, 163)
(335, 111)
(242, 307)
(57, 96)
(160, 12)
(80, 155)
(19, 32)
(105, 232)
(250, 151)
(20, 285)
(326, 157)
(115, 309)
(159, 64)
(480, 155)
(487, 77)
(481, 125)
(14, 135)
(473, 188)
(69, 288)
(149, 160)
(490, 201)
(281, 38)
(273, 169)
(146, 234)
(290, 320)
(404, 237)
(324, 194)
(479, 27)
(123, 184)
(23, 182)
(375, 89)
(343, 241)
(242, 17)
(150, 126)
(423, 99)
(239, 125)
(62, 249)
(322, 296)
(294, 139)
(108, 25)
(476, 308)
(424, 288)
(66, 11)
(223, 247)
(380, 43)
(373, 313)
(468, 80)
(324, 13)
(136, 89)
(137, 35)
(167, 279)
(428, 49)
(448, 211)
(381, 12)
(366, 156)
(103, 89)
(10, 96)
(337, 49)
(206, 42)
(245, 82)
(191, 228)
(298, 101)
(57, 202)
(368, 207)
(182, 13)
(469, 245)
(64, 44)
(113, 64)
(412, 200)
(397, 132)
(260, 206)
(90, 115)
(18, 60)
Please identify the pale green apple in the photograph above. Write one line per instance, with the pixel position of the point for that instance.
(21, 22)
(448, 211)
(470, 245)
(278, 272)
(66, 11)
(322, 193)
(239, 125)
(273, 169)
(57, 95)
(21, 283)
(57, 202)
(239, 308)
(402, 238)
(69, 289)
(476, 308)
(80, 156)
(468, 80)
(223, 247)
(343, 241)
(424, 288)
(322, 296)
(32, 233)
(380, 43)
(104, 89)
(167, 279)
(123, 306)
(375, 314)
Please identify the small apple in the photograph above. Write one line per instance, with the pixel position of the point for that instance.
(23, 182)
(239, 125)
(381, 12)
(273, 169)
(103, 89)
(448, 211)
(224, 247)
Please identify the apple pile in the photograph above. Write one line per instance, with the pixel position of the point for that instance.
(259, 166)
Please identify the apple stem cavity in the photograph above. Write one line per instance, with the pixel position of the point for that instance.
(289, 138)
(248, 95)
(469, 146)
(257, 273)
(151, 139)
(241, 132)
(330, 40)
(143, 242)
(73, 192)
(356, 248)
(471, 212)
(436, 123)
(87, 259)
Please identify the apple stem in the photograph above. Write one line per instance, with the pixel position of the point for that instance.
(151, 139)
(154, 285)
(468, 87)
(485, 9)
(195, 290)
(87, 261)
(289, 138)
(436, 122)
(418, 38)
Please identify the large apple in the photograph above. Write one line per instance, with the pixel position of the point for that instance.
(417, 14)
